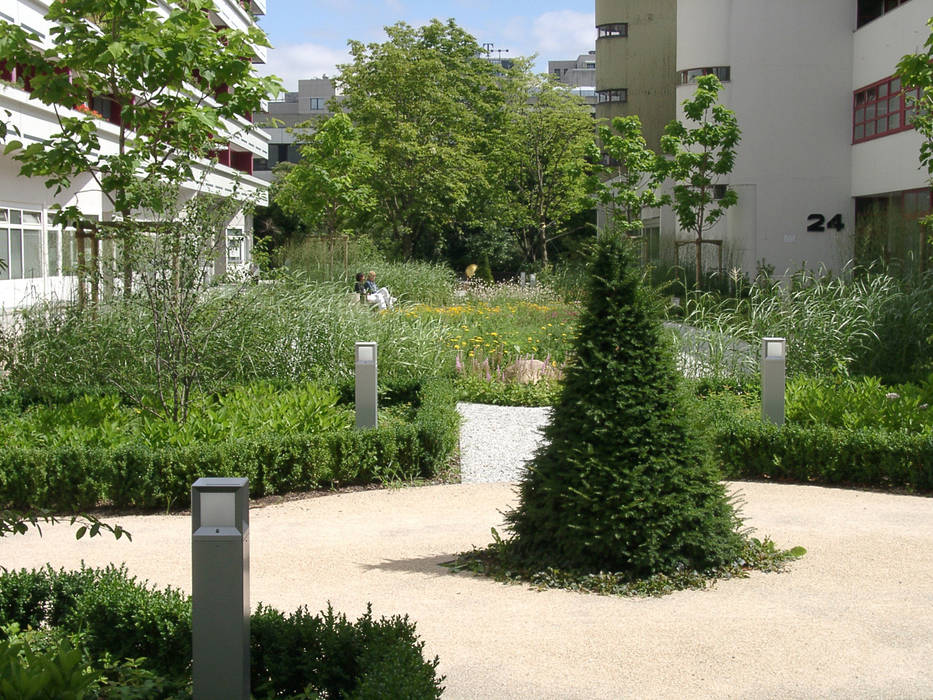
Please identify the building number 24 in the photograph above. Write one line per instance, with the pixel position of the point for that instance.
(818, 222)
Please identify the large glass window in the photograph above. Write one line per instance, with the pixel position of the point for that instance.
(318, 103)
(881, 109)
(21, 243)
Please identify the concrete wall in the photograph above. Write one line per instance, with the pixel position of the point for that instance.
(791, 67)
(643, 62)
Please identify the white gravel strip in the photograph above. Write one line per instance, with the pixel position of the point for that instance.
(496, 441)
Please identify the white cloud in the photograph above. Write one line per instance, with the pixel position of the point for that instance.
(294, 62)
(563, 34)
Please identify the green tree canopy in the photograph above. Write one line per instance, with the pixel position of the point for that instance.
(546, 156)
(916, 71)
(168, 77)
(329, 189)
(633, 175)
(425, 103)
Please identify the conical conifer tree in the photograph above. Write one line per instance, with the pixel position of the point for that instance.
(620, 484)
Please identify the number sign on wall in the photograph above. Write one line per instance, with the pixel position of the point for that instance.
(818, 222)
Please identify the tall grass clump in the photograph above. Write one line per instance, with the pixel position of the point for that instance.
(318, 260)
(872, 323)
(287, 331)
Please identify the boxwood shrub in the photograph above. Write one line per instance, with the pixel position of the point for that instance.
(78, 477)
(748, 448)
(291, 655)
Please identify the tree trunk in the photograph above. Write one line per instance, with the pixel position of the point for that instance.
(699, 259)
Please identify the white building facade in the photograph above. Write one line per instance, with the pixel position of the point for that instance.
(39, 256)
(825, 125)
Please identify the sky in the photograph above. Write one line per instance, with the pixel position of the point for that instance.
(310, 36)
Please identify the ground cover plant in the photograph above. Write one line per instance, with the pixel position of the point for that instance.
(620, 484)
(99, 633)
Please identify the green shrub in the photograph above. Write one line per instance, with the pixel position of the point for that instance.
(862, 402)
(505, 393)
(365, 659)
(748, 448)
(79, 477)
(621, 484)
(57, 671)
(290, 655)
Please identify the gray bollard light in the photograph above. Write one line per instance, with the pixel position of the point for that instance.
(220, 588)
(532, 280)
(366, 386)
(773, 359)
(521, 278)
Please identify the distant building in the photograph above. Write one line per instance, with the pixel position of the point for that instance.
(312, 100)
(579, 74)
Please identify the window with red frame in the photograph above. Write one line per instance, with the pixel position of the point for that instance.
(881, 109)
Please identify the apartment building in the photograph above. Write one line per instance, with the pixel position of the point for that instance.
(311, 101)
(826, 134)
(40, 256)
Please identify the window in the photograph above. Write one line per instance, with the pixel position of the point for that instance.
(691, 74)
(234, 245)
(617, 95)
(719, 191)
(318, 103)
(869, 10)
(881, 109)
(21, 243)
(608, 30)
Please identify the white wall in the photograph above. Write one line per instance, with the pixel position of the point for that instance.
(791, 68)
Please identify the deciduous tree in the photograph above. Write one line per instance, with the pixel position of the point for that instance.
(916, 73)
(547, 155)
(699, 157)
(329, 189)
(633, 175)
(426, 103)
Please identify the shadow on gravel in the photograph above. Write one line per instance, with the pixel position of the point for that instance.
(422, 565)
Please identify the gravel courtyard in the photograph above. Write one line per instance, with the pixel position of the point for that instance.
(852, 619)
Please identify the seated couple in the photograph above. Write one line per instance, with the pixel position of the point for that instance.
(366, 284)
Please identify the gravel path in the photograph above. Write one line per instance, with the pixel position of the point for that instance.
(496, 441)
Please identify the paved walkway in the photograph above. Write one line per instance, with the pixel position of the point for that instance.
(852, 619)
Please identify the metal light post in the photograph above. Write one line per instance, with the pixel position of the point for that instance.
(773, 359)
(366, 386)
(220, 588)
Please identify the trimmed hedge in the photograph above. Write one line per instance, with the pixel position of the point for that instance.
(749, 448)
(290, 654)
(74, 477)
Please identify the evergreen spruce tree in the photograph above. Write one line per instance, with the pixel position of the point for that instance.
(620, 484)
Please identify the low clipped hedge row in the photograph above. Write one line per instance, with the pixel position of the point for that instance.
(291, 655)
(748, 448)
(75, 477)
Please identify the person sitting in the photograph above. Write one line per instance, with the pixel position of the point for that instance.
(362, 288)
(382, 292)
